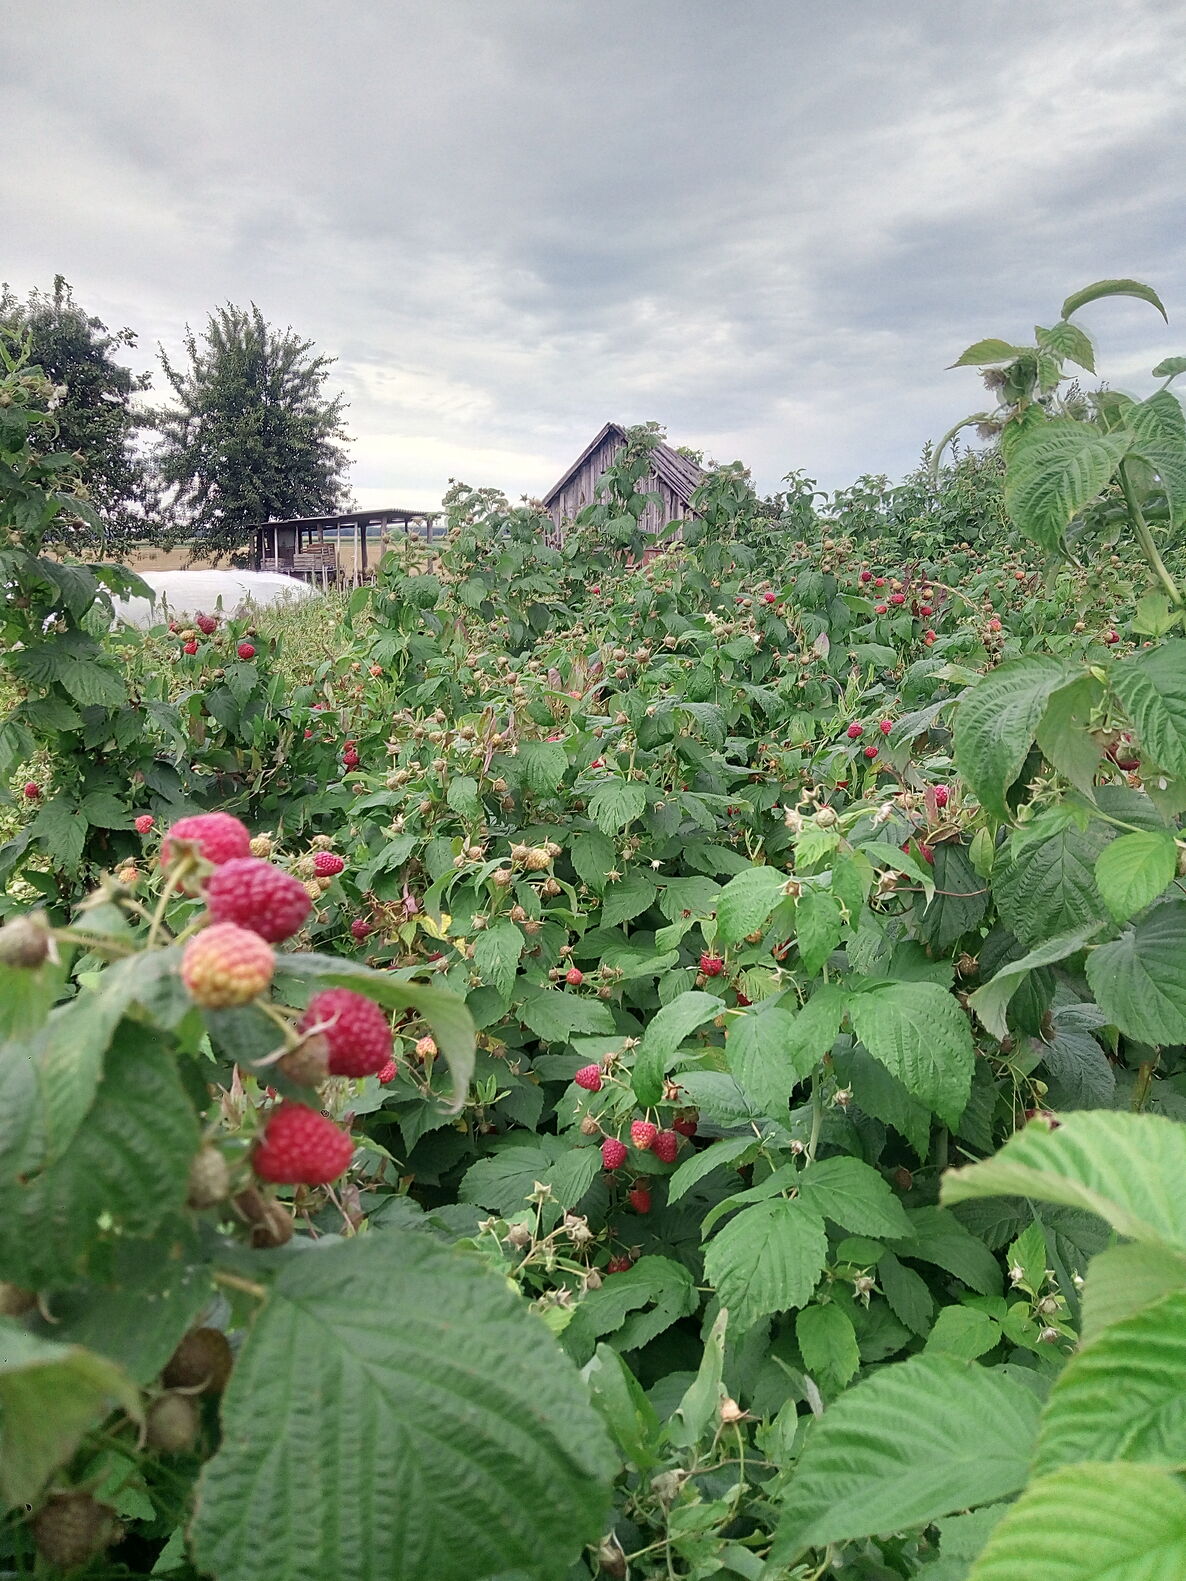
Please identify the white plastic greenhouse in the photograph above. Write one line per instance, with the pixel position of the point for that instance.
(186, 593)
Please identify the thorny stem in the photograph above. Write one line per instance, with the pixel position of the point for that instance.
(1145, 539)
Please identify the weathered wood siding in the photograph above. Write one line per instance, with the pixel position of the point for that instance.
(580, 490)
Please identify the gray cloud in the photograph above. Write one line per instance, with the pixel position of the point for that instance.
(768, 224)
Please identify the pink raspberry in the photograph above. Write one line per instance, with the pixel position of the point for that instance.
(870, 753)
(589, 1077)
(387, 1074)
(618, 1265)
(206, 624)
(666, 1146)
(301, 1147)
(226, 965)
(327, 863)
(855, 731)
(643, 1134)
(350, 758)
(613, 1153)
(880, 609)
(574, 977)
(32, 791)
(885, 726)
(245, 650)
(217, 836)
(686, 1125)
(942, 795)
(640, 1199)
(189, 647)
(258, 896)
(866, 576)
(360, 928)
(711, 965)
(144, 823)
(897, 598)
(355, 1028)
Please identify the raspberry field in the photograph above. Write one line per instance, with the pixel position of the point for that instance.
(560, 1065)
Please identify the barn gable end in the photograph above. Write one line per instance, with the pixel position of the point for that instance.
(672, 476)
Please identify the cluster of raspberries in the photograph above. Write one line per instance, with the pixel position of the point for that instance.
(252, 905)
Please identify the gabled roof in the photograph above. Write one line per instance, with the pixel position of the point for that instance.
(679, 473)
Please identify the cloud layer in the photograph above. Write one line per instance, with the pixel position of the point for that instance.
(769, 225)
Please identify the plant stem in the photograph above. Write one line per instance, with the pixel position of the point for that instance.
(1145, 539)
(236, 1282)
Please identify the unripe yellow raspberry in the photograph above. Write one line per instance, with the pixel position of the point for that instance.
(226, 965)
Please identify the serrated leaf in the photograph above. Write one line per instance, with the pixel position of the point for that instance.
(1112, 1164)
(995, 725)
(1064, 733)
(1122, 1397)
(50, 1394)
(592, 855)
(554, 1015)
(1068, 342)
(1102, 288)
(938, 1237)
(767, 1259)
(497, 949)
(465, 1399)
(462, 796)
(906, 1293)
(542, 765)
(1091, 1523)
(1151, 685)
(1139, 979)
(1134, 869)
(1123, 1279)
(828, 1343)
(628, 898)
(1169, 367)
(657, 1288)
(615, 804)
(729, 1151)
(767, 1056)
(746, 901)
(819, 924)
(853, 1195)
(918, 1439)
(882, 1095)
(920, 1034)
(986, 353)
(964, 1333)
(992, 1000)
(960, 899)
(665, 1032)
(1046, 885)
(1054, 470)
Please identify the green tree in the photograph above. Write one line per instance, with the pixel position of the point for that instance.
(253, 435)
(97, 419)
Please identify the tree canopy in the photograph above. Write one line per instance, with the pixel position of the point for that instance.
(253, 435)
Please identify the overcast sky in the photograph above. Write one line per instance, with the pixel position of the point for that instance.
(769, 224)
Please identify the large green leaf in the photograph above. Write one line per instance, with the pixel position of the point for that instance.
(50, 1394)
(746, 901)
(1139, 979)
(1056, 469)
(854, 1195)
(768, 1058)
(615, 804)
(634, 1306)
(995, 725)
(1123, 1279)
(921, 1035)
(1116, 1165)
(1123, 1397)
(1047, 885)
(1102, 288)
(1134, 869)
(917, 1440)
(1151, 685)
(992, 1000)
(398, 1412)
(766, 1259)
(496, 954)
(1091, 1523)
(665, 1032)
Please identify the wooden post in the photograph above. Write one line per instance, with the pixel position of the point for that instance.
(363, 529)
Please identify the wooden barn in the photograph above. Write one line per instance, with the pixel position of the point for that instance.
(673, 477)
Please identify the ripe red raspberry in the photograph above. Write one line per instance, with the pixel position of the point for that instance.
(245, 650)
(885, 726)
(350, 758)
(387, 1074)
(854, 732)
(217, 835)
(768, 598)
(879, 581)
(144, 823)
(929, 638)
(711, 965)
(866, 576)
(207, 624)
(880, 609)
(640, 1199)
(925, 610)
(589, 1077)
(666, 1146)
(618, 1265)
(32, 791)
(258, 896)
(226, 965)
(1111, 636)
(574, 977)
(360, 928)
(189, 647)
(356, 1029)
(613, 1153)
(327, 863)
(897, 598)
(686, 1125)
(870, 753)
(643, 1134)
(942, 795)
(301, 1147)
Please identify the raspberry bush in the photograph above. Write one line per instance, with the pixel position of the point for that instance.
(639, 1069)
